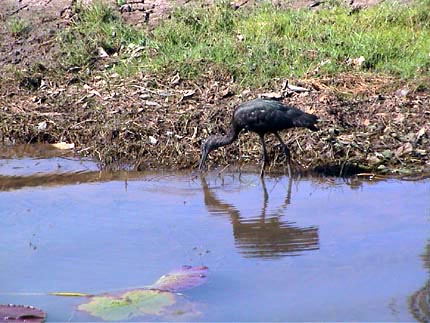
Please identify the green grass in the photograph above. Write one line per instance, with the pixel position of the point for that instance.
(97, 26)
(257, 45)
(18, 27)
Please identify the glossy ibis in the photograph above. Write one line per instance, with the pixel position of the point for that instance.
(261, 116)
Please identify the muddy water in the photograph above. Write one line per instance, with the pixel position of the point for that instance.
(314, 249)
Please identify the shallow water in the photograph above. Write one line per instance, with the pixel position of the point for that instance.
(320, 249)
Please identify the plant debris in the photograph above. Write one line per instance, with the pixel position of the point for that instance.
(184, 278)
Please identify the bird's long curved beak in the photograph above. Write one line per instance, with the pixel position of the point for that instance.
(203, 159)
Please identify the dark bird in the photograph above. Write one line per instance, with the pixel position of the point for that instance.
(261, 116)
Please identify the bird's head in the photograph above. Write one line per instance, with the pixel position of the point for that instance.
(207, 147)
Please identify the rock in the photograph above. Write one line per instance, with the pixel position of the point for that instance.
(402, 92)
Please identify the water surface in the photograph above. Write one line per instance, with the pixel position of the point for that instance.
(309, 250)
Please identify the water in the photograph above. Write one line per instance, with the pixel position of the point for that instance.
(312, 250)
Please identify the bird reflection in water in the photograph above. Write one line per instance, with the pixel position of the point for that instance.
(267, 235)
(419, 302)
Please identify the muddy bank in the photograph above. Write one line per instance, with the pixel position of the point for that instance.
(366, 123)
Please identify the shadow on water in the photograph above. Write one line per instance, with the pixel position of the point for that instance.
(33, 151)
(8, 183)
(419, 302)
(265, 235)
(26, 166)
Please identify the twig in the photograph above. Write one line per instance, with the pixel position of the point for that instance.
(239, 5)
(84, 121)
(294, 88)
(18, 10)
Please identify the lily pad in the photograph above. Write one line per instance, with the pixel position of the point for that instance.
(185, 278)
(128, 305)
(21, 313)
(158, 299)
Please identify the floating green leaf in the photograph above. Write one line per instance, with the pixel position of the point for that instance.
(157, 299)
(131, 304)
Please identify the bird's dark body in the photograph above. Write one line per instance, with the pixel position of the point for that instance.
(266, 116)
(261, 116)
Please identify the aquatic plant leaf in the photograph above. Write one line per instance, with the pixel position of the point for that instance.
(131, 304)
(70, 294)
(185, 278)
(21, 313)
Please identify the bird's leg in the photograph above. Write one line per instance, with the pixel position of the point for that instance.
(286, 151)
(265, 203)
(265, 194)
(265, 158)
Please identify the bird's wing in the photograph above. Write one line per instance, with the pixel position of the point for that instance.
(267, 116)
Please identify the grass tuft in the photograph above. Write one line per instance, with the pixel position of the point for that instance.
(18, 27)
(97, 26)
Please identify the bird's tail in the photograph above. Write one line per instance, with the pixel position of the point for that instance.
(306, 120)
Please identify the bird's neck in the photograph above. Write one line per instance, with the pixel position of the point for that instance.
(227, 139)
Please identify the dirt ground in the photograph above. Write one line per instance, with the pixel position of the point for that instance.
(369, 123)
